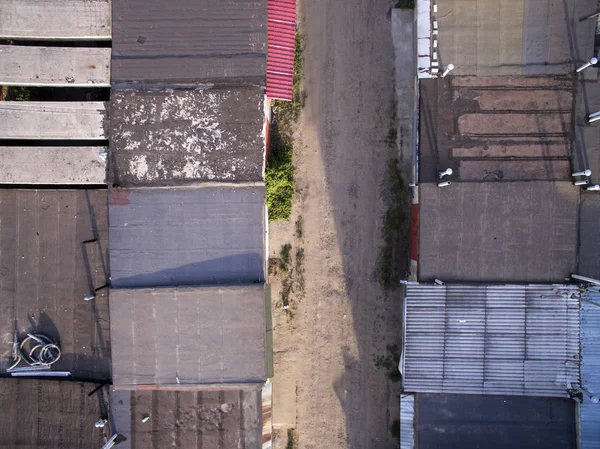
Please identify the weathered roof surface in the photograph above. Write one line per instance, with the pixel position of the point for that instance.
(182, 337)
(188, 419)
(498, 232)
(449, 421)
(52, 165)
(496, 128)
(51, 414)
(491, 339)
(55, 19)
(589, 413)
(187, 235)
(163, 137)
(488, 37)
(47, 269)
(189, 42)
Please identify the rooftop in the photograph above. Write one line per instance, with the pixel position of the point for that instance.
(529, 37)
(51, 414)
(188, 419)
(448, 421)
(54, 252)
(211, 234)
(161, 137)
(188, 337)
(189, 42)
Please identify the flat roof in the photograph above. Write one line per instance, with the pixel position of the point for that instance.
(486, 37)
(448, 421)
(496, 128)
(498, 231)
(166, 137)
(210, 234)
(189, 42)
(188, 419)
(47, 269)
(43, 413)
(182, 337)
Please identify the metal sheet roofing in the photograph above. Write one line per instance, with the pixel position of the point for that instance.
(407, 421)
(210, 234)
(280, 48)
(187, 42)
(188, 336)
(503, 340)
(589, 413)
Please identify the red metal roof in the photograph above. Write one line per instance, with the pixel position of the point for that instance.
(280, 49)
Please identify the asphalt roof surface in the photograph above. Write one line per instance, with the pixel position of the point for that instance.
(43, 413)
(188, 419)
(446, 421)
(189, 42)
(211, 234)
(47, 269)
(166, 137)
(193, 336)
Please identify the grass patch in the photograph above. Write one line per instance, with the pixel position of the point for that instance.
(299, 223)
(279, 178)
(389, 362)
(20, 93)
(405, 4)
(393, 258)
(291, 443)
(279, 174)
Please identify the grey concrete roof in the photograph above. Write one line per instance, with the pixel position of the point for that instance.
(161, 137)
(448, 421)
(498, 232)
(188, 419)
(51, 414)
(47, 269)
(529, 37)
(189, 42)
(182, 337)
(187, 236)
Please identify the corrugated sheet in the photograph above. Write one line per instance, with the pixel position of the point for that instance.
(511, 340)
(407, 421)
(589, 417)
(280, 48)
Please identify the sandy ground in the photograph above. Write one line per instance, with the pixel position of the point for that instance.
(329, 384)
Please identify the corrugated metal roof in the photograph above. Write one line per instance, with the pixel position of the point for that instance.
(508, 339)
(189, 42)
(590, 370)
(407, 421)
(164, 337)
(280, 48)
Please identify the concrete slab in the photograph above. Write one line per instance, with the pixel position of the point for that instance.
(589, 246)
(498, 232)
(519, 170)
(54, 66)
(55, 19)
(34, 120)
(52, 165)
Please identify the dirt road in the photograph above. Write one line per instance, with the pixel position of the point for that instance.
(332, 355)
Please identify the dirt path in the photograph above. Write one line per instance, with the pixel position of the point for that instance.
(332, 363)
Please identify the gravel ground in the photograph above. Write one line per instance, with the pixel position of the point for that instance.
(334, 345)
